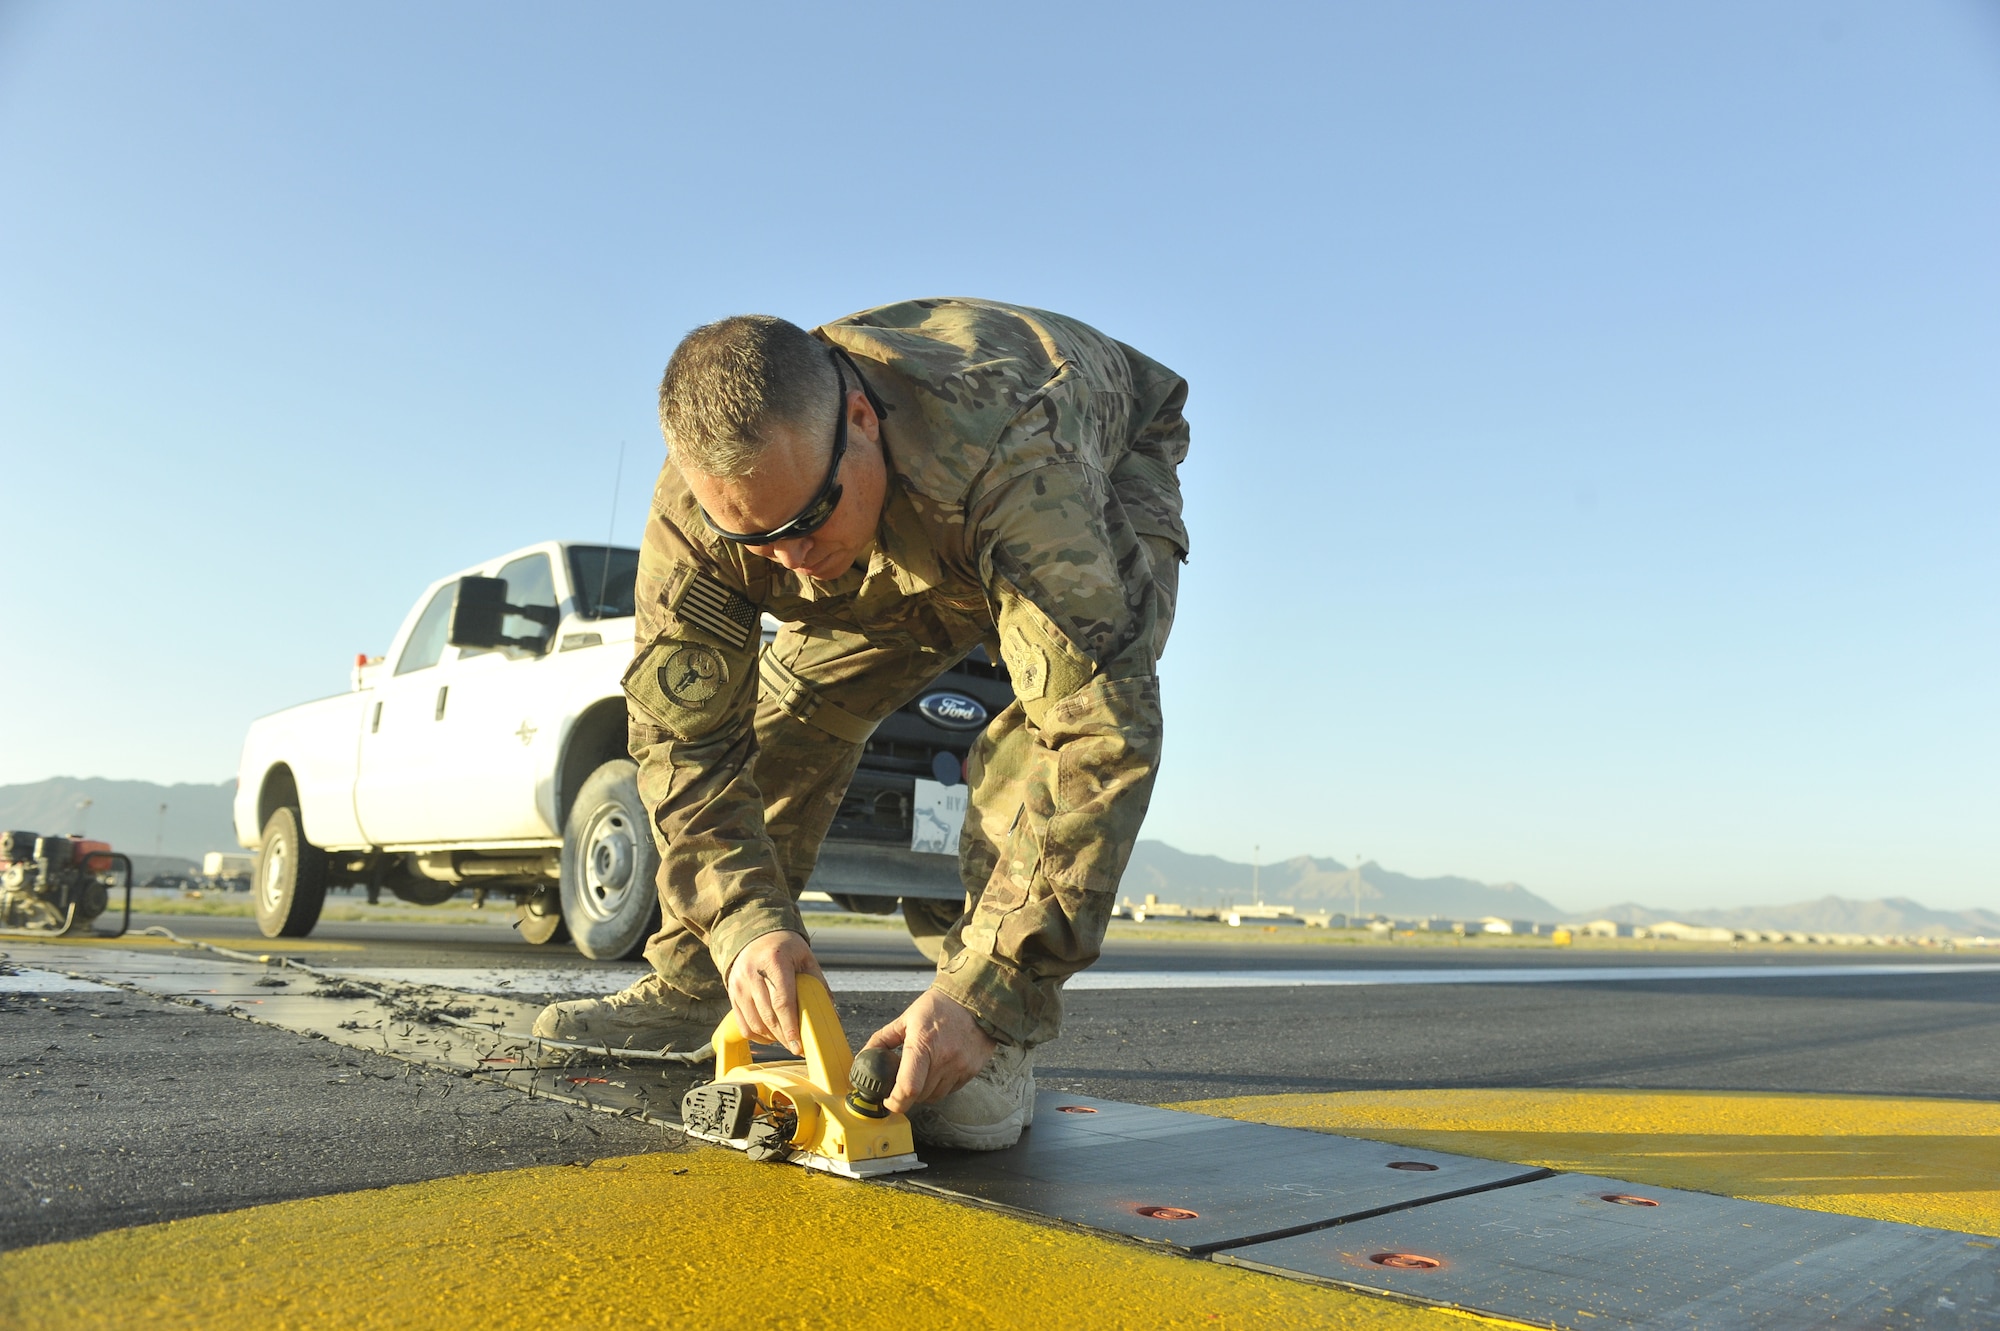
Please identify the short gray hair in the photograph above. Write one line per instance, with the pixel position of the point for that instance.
(730, 381)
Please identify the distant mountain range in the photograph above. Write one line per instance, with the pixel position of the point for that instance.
(1206, 880)
(1828, 915)
(126, 814)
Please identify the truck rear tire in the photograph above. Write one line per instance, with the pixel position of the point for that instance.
(539, 919)
(291, 878)
(610, 867)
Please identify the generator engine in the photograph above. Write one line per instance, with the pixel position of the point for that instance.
(57, 884)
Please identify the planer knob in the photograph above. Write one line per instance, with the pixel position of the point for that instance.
(873, 1076)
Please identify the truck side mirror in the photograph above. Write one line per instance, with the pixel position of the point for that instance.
(477, 612)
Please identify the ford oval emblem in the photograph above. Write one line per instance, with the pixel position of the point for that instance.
(953, 711)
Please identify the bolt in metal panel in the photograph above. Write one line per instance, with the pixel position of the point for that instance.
(1579, 1251)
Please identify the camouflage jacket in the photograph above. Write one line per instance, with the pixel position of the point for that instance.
(1032, 500)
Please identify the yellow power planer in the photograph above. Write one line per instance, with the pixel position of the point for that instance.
(823, 1111)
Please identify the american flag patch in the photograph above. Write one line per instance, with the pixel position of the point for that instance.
(717, 609)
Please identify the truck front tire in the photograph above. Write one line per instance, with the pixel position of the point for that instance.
(291, 878)
(610, 866)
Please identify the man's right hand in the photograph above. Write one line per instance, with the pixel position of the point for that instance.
(943, 1049)
(764, 989)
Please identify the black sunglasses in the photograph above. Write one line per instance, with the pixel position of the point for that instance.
(820, 508)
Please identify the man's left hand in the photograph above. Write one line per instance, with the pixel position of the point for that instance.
(943, 1048)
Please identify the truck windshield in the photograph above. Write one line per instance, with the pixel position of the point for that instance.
(603, 577)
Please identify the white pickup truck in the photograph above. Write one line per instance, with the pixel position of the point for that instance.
(486, 750)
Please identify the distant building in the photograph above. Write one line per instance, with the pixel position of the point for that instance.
(1688, 933)
(1234, 916)
(1152, 908)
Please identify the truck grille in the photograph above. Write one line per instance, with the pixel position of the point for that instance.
(875, 808)
(888, 755)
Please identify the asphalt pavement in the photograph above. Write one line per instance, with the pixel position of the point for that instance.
(121, 1109)
(1875, 1031)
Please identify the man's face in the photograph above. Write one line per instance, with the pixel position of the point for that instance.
(792, 472)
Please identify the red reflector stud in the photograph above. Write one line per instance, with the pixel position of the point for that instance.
(1168, 1213)
(1414, 1166)
(1625, 1199)
(1075, 1109)
(1405, 1261)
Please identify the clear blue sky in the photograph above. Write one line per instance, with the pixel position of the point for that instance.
(1596, 407)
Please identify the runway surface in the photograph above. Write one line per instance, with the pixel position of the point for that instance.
(127, 1109)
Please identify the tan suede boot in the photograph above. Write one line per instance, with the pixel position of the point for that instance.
(649, 1015)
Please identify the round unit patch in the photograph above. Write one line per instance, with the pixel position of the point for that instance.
(693, 674)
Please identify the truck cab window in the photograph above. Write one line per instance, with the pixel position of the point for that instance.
(531, 587)
(426, 642)
(603, 577)
(531, 584)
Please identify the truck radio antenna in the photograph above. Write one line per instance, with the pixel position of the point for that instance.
(610, 530)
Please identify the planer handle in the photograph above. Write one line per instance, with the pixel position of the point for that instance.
(827, 1057)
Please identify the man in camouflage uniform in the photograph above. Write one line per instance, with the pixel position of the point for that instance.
(898, 487)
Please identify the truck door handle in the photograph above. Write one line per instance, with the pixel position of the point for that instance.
(376, 724)
(442, 690)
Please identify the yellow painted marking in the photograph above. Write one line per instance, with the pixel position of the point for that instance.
(700, 1239)
(1922, 1162)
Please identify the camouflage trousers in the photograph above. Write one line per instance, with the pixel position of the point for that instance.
(803, 772)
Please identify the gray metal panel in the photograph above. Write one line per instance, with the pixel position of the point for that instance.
(1555, 1252)
(1241, 1180)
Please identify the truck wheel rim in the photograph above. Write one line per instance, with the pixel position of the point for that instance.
(271, 883)
(609, 855)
